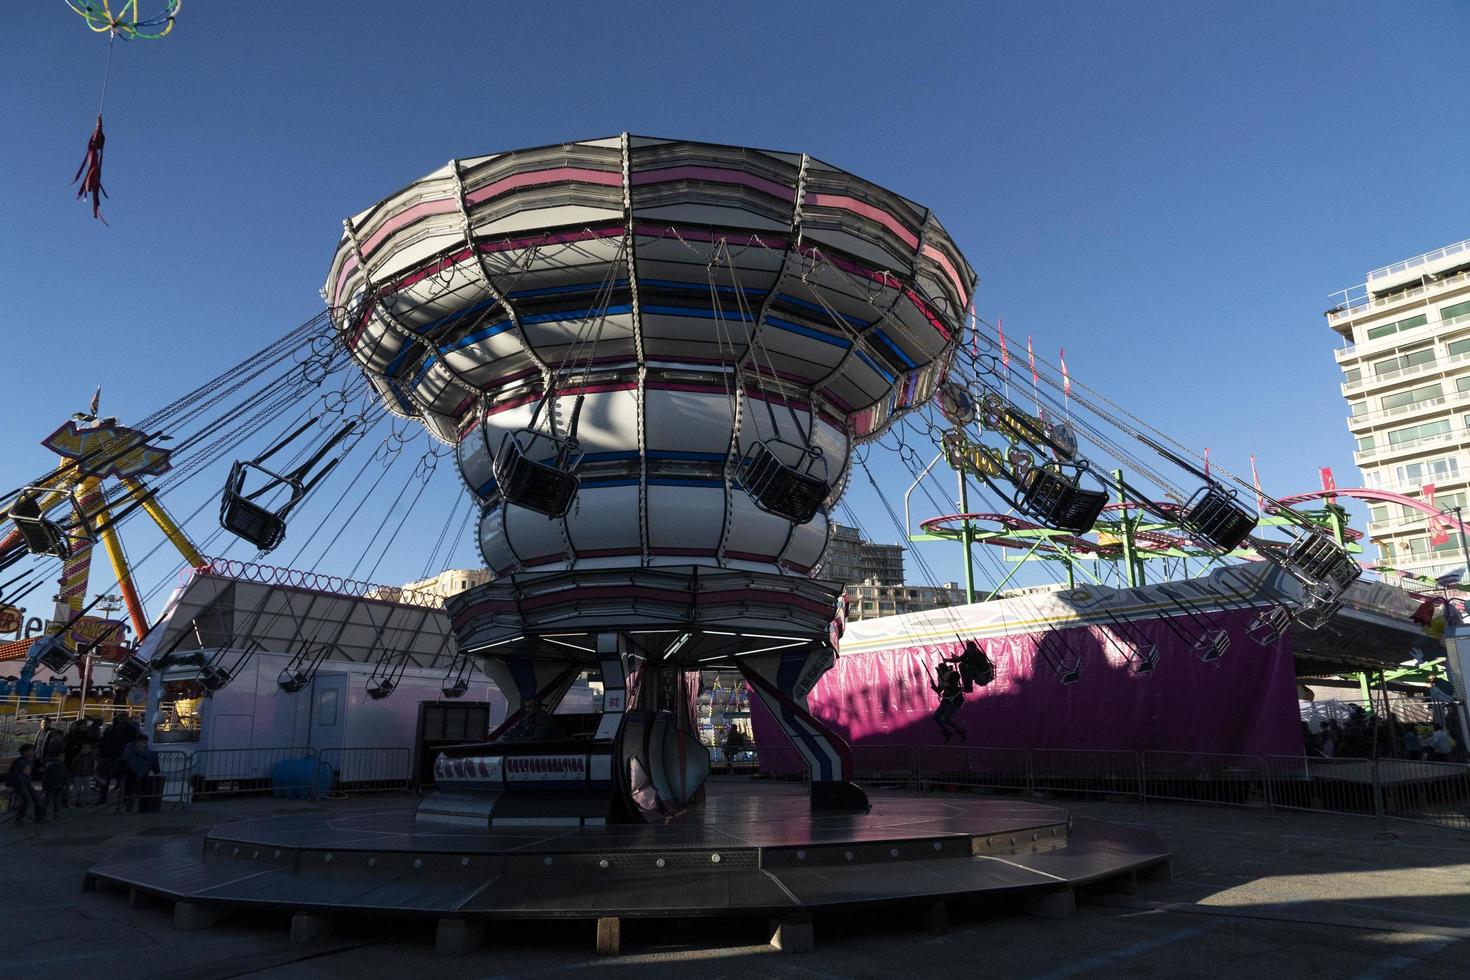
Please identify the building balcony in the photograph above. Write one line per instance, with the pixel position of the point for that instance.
(1360, 302)
(1441, 483)
(1410, 448)
(1370, 420)
(1389, 378)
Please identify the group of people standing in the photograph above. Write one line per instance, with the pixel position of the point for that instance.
(70, 765)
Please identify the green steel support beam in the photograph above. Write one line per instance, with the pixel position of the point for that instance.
(967, 538)
(1131, 563)
(1011, 574)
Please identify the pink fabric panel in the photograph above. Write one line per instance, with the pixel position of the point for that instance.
(1245, 702)
(718, 175)
(867, 211)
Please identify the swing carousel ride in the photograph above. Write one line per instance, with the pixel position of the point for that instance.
(657, 365)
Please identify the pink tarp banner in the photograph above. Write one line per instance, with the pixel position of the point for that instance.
(1244, 702)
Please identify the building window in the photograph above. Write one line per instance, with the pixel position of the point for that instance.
(1414, 433)
(1408, 359)
(1459, 346)
(1378, 514)
(1352, 376)
(1361, 408)
(1391, 328)
(1450, 312)
(1365, 443)
(1413, 396)
(1428, 470)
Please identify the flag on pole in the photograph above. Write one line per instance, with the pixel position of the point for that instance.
(974, 330)
(1207, 462)
(1035, 393)
(1256, 479)
(1066, 383)
(1005, 355)
(96, 401)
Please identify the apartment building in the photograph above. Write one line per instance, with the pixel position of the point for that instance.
(1406, 377)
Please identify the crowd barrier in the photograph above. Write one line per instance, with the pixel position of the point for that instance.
(1435, 793)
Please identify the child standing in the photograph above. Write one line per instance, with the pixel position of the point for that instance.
(54, 780)
(83, 768)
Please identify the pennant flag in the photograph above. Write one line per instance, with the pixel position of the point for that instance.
(1066, 379)
(1005, 355)
(1255, 479)
(1031, 356)
(96, 401)
(974, 329)
(1439, 527)
(1207, 462)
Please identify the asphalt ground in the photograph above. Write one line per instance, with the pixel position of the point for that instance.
(1289, 894)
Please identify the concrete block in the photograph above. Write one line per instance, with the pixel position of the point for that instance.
(306, 926)
(1059, 903)
(935, 918)
(139, 899)
(609, 937)
(195, 915)
(793, 934)
(458, 937)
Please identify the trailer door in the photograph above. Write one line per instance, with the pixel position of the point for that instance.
(328, 711)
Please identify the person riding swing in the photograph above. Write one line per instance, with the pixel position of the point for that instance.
(975, 667)
(946, 684)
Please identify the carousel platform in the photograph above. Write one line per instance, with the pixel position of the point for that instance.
(751, 848)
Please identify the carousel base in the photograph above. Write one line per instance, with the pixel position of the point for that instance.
(748, 849)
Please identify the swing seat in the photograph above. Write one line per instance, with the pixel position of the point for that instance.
(1143, 661)
(457, 689)
(546, 488)
(380, 688)
(1316, 560)
(131, 672)
(213, 677)
(1211, 645)
(1060, 503)
(1322, 602)
(779, 489)
(40, 536)
(1214, 515)
(293, 682)
(1270, 625)
(53, 653)
(246, 519)
(265, 527)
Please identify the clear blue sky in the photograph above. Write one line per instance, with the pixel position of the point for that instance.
(1169, 190)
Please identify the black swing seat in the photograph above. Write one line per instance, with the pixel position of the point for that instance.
(265, 527)
(1321, 565)
(293, 682)
(783, 490)
(40, 536)
(213, 677)
(246, 519)
(1213, 514)
(1144, 660)
(53, 653)
(457, 689)
(1269, 625)
(1212, 645)
(131, 672)
(1058, 502)
(380, 687)
(545, 487)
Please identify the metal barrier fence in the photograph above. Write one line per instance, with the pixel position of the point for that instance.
(1204, 777)
(1427, 792)
(225, 772)
(369, 770)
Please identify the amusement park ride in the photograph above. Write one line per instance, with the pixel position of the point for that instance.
(656, 363)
